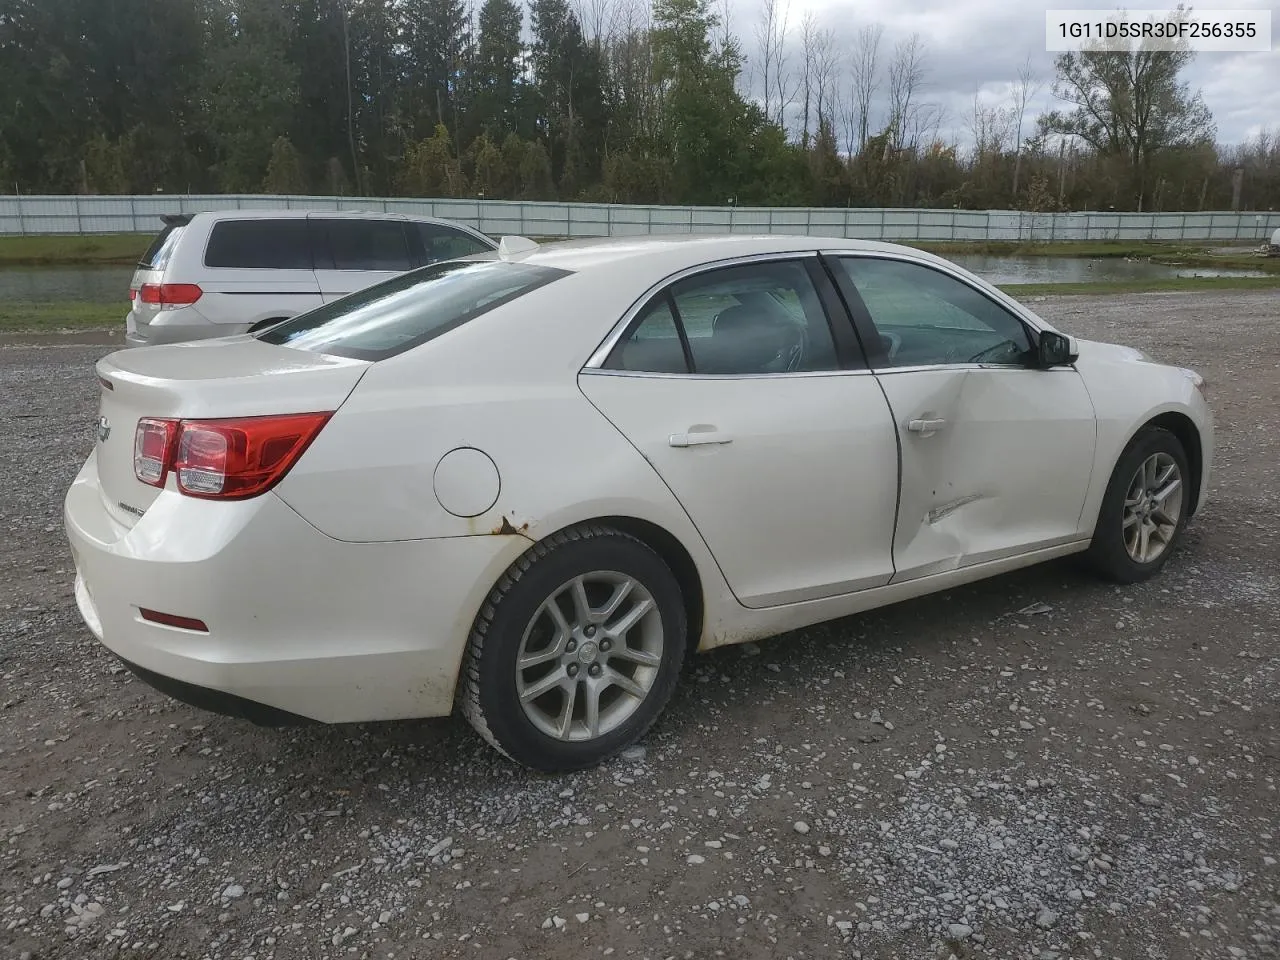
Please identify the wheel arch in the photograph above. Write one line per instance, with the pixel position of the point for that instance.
(1184, 428)
(674, 554)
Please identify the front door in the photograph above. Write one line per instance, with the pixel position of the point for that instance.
(996, 454)
(776, 441)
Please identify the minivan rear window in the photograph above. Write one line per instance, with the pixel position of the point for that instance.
(396, 315)
(259, 244)
(157, 255)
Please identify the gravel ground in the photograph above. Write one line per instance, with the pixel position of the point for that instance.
(1036, 766)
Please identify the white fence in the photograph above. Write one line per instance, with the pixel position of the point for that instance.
(141, 214)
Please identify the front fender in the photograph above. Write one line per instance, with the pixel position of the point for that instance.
(1128, 394)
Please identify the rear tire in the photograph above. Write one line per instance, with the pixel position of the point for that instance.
(576, 650)
(1144, 510)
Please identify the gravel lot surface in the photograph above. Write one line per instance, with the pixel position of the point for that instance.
(1036, 766)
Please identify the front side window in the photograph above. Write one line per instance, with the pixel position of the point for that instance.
(444, 243)
(368, 244)
(758, 318)
(925, 317)
(260, 244)
(405, 311)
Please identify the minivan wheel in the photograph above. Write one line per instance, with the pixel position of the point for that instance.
(576, 650)
(1144, 510)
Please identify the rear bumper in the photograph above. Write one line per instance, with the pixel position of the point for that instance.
(217, 701)
(176, 326)
(299, 623)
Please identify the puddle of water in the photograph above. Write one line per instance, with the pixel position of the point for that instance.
(102, 284)
(1081, 270)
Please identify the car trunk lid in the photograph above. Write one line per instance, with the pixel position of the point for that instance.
(239, 377)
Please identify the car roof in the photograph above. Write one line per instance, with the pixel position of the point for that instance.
(674, 252)
(298, 213)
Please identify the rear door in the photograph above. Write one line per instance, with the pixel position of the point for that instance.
(764, 422)
(254, 270)
(355, 252)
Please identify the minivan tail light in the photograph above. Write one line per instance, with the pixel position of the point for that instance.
(169, 295)
(229, 459)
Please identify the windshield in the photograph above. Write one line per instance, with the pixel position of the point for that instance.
(399, 314)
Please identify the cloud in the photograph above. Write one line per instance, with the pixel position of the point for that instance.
(977, 46)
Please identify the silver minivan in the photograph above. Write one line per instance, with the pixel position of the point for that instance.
(231, 271)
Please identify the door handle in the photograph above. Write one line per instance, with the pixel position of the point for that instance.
(695, 439)
(926, 426)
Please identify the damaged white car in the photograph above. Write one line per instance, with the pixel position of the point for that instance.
(525, 484)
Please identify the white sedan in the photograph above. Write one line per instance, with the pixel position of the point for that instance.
(526, 483)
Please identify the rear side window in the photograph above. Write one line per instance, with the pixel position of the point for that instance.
(259, 244)
(162, 247)
(368, 244)
(396, 315)
(444, 243)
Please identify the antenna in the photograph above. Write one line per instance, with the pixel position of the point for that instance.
(511, 248)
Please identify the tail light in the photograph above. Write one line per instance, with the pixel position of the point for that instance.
(223, 459)
(153, 449)
(170, 295)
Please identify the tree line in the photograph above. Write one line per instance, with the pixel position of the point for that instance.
(595, 100)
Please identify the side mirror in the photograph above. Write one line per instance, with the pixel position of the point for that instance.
(1056, 350)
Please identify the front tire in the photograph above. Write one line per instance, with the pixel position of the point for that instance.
(1144, 510)
(576, 650)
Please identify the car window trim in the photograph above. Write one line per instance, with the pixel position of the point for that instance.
(626, 324)
(869, 333)
(690, 364)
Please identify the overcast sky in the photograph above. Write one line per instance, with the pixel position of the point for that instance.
(978, 45)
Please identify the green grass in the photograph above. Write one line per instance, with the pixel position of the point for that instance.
(57, 249)
(53, 317)
(1156, 285)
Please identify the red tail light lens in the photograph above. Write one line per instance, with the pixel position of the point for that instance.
(168, 295)
(153, 449)
(223, 459)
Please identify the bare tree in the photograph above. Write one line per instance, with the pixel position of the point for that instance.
(865, 69)
(596, 17)
(766, 32)
(771, 35)
(825, 65)
(1024, 91)
(726, 30)
(906, 77)
(992, 128)
(808, 38)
